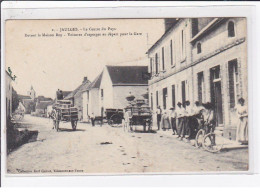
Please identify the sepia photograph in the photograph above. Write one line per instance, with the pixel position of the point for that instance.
(126, 96)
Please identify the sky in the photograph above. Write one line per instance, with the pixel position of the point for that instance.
(52, 62)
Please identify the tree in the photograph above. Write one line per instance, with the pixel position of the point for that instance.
(15, 100)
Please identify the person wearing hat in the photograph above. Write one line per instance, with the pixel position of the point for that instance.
(196, 119)
(188, 115)
(197, 109)
(242, 127)
(173, 120)
(180, 118)
(159, 116)
(208, 117)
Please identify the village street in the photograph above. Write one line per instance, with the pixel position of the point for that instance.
(82, 151)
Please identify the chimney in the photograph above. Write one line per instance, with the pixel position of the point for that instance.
(85, 79)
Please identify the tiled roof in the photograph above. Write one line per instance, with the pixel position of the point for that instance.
(96, 82)
(127, 75)
(79, 89)
(23, 97)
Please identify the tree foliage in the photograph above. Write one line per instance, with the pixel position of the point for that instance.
(15, 100)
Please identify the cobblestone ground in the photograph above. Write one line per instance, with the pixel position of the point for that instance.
(82, 151)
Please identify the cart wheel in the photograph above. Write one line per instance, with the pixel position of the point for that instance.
(199, 138)
(74, 125)
(116, 120)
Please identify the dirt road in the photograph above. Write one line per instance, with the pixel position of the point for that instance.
(111, 150)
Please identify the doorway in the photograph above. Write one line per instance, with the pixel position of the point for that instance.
(216, 94)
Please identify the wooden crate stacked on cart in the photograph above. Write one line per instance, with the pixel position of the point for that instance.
(67, 111)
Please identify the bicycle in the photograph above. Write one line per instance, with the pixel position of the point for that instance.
(208, 138)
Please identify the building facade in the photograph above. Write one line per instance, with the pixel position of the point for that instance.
(76, 96)
(111, 87)
(201, 59)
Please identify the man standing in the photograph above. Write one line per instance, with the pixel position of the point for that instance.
(173, 121)
(188, 127)
(179, 117)
(159, 116)
(92, 117)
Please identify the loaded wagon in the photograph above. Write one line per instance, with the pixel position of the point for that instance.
(63, 111)
(139, 113)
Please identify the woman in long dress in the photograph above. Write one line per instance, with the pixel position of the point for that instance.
(165, 121)
(242, 127)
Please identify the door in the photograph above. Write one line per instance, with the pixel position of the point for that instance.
(173, 96)
(216, 94)
(164, 98)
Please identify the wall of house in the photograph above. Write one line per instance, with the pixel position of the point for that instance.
(8, 92)
(228, 49)
(181, 55)
(217, 49)
(107, 101)
(94, 106)
(121, 92)
(78, 103)
(85, 104)
(218, 37)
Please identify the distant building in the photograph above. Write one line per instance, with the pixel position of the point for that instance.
(90, 98)
(30, 101)
(8, 93)
(41, 108)
(112, 86)
(32, 93)
(201, 59)
(76, 96)
(20, 108)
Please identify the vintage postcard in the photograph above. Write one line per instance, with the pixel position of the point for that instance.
(126, 96)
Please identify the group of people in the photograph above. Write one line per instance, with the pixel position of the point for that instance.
(185, 120)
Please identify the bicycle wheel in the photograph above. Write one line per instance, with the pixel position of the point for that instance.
(212, 142)
(199, 138)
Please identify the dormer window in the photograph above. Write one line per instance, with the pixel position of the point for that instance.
(198, 48)
(231, 29)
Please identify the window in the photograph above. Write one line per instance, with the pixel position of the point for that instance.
(173, 96)
(156, 64)
(87, 95)
(183, 91)
(102, 93)
(164, 98)
(231, 29)
(163, 66)
(151, 66)
(200, 86)
(198, 48)
(233, 82)
(183, 45)
(171, 54)
(157, 99)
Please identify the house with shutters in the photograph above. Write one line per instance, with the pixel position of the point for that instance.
(112, 86)
(201, 59)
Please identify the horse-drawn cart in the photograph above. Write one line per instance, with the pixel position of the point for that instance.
(139, 114)
(114, 116)
(63, 111)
